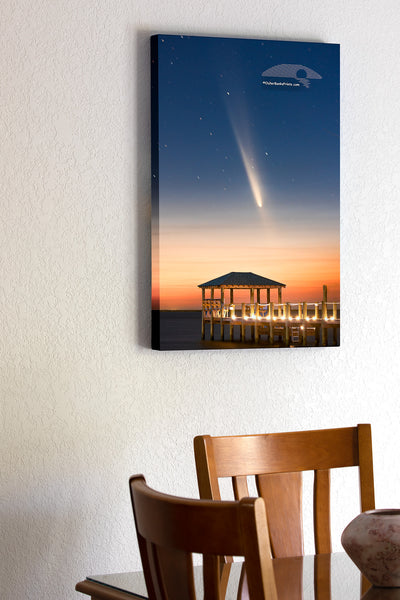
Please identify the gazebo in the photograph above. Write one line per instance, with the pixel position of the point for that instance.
(242, 281)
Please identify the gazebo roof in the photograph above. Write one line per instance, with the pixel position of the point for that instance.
(239, 279)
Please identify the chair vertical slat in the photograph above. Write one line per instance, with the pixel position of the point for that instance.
(367, 495)
(282, 493)
(209, 489)
(176, 574)
(322, 577)
(148, 565)
(211, 577)
(322, 513)
(243, 588)
(205, 467)
(224, 572)
(240, 490)
(240, 487)
(154, 574)
(289, 583)
(257, 549)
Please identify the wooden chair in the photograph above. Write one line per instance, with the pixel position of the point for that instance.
(276, 460)
(170, 528)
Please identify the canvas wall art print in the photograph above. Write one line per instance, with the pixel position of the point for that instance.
(245, 193)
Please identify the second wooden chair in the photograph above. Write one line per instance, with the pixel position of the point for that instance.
(277, 460)
(170, 528)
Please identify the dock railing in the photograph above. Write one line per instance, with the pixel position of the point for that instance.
(292, 321)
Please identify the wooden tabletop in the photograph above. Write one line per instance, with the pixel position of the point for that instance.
(319, 577)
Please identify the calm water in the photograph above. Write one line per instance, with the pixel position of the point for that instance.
(181, 330)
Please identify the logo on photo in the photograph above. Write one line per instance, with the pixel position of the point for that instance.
(299, 73)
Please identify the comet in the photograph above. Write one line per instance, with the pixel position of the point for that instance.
(252, 174)
(238, 115)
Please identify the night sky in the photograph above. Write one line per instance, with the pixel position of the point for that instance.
(248, 173)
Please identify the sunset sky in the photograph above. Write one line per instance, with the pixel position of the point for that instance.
(248, 173)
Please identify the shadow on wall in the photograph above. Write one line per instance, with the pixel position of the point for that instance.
(141, 239)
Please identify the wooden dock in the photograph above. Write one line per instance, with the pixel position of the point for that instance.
(288, 323)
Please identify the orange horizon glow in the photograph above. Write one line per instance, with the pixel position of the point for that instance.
(181, 298)
(300, 253)
(302, 284)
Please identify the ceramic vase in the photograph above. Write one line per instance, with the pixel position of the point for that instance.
(372, 540)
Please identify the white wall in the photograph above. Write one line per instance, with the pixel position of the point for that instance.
(85, 402)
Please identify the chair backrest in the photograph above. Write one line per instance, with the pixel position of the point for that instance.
(276, 460)
(170, 528)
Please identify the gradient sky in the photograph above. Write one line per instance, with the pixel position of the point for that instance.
(248, 173)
